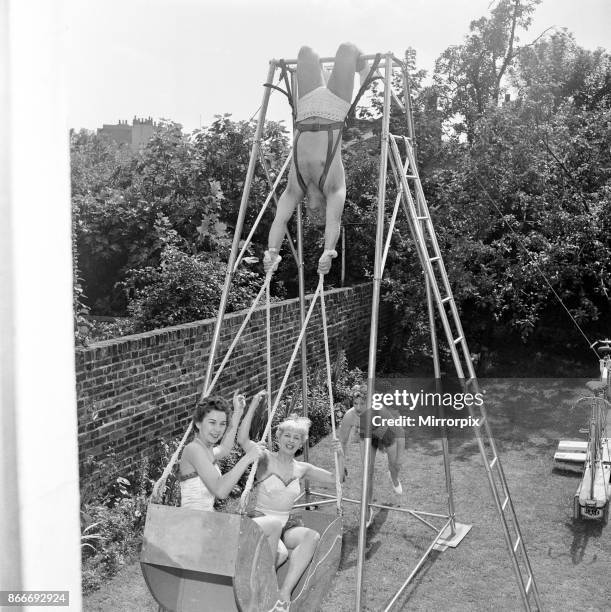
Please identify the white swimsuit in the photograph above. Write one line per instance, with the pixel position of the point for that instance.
(194, 493)
(321, 102)
(275, 497)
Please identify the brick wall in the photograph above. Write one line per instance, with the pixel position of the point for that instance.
(137, 389)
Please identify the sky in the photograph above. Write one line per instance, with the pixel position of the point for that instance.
(188, 60)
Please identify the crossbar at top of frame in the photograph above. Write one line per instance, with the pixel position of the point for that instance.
(331, 60)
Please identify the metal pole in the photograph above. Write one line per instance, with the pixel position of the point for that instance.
(343, 276)
(436, 365)
(407, 94)
(373, 337)
(270, 195)
(268, 338)
(302, 308)
(330, 60)
(415, 570)
(254, 154)
(393, 219)
(272, 186)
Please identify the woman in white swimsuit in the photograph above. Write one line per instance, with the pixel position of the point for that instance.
(278, 487)
(201, 481)
(316, 168)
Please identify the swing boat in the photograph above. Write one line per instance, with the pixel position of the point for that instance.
(194, 560)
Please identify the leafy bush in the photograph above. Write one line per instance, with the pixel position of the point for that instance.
(120, 530)
(185, 288)
(112, 520)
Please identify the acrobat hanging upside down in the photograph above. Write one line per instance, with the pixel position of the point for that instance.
(317, 170)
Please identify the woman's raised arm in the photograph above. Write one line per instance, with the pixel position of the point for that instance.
(224, 448)
(244, 432)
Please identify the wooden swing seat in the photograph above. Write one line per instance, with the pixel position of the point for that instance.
(194, 561)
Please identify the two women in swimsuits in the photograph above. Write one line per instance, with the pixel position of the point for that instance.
(201, 480)
(278, 488)
(316, 169)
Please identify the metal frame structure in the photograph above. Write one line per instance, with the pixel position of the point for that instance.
(438, 300)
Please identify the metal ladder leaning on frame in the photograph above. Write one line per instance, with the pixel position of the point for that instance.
(438, 285)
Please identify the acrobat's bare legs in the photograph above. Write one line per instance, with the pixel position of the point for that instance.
(309, 77)
(312, 149)
(309, 71)
(341, 82)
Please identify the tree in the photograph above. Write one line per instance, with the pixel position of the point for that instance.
(555, 69)
(120, 196)
(526, 196)
(469, 76)
(184, 286)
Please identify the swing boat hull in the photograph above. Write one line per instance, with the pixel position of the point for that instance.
(194, 561)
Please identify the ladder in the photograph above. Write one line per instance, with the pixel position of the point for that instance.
(423, 234)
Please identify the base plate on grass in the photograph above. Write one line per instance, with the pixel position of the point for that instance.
(447, 539)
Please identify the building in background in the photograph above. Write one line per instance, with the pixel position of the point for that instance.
(135, 135)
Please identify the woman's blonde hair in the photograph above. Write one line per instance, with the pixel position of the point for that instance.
(295, 423)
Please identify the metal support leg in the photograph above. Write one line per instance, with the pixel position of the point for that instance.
(373, 336)
(238, 228)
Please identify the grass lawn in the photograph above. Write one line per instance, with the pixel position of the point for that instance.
(571, 560)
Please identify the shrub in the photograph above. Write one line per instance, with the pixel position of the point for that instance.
(112, 521)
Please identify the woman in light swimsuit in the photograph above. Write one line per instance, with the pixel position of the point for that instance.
(201, 481)
(278, 487)
(316, 169)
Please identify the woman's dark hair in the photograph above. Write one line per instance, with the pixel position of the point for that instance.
(208, 404)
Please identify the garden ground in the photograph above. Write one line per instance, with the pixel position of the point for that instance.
(571, 560)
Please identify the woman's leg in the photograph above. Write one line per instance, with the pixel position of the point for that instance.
(302, 542)
(309, 71)
(341, 82)
(393, 453)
